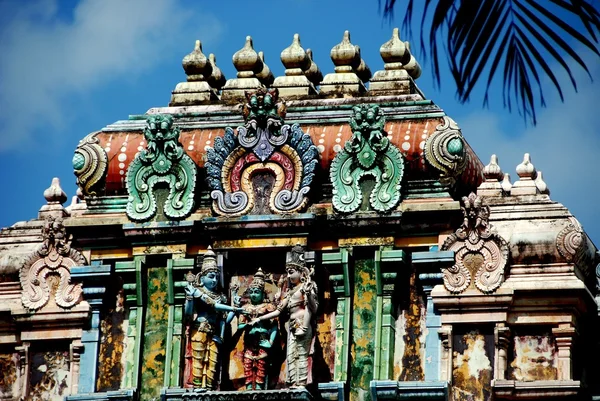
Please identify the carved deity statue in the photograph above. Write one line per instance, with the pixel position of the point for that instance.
(300, 302)
(205, 308)
(258, 338)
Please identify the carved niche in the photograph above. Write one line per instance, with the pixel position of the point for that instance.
(90, 165)
(267, 167)
(48, 270)
(368, 153)
(163, 161)
(445, 150)
(479, 251)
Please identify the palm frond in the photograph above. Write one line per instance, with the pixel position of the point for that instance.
(527, 37)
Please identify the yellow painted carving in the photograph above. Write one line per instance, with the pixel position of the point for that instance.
(365, 241)
(99, 254)
(259, 243)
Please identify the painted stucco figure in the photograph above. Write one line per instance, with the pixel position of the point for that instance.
(300, 302)
(205, 308)
(258, 338)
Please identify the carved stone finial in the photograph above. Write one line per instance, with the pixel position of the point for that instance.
(163, 161)
(368, 152)
(493, 174)
(216, 79)
(445, 151)
(480, 253)
(313, 73)
(196, 65)
(265, 76)
(54, 257)
(506, 184)
(362, 70)
(54, 193)
(345, 81)
(541, 184)
(248, 64)
(296, 61)
(527, 174)
(395, 78)
(196, 90)
(263, 145)
(412, 67)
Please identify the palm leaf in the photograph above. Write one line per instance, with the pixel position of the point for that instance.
(527, 37)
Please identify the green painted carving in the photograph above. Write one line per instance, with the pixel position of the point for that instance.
(164, 160)
(367, 153)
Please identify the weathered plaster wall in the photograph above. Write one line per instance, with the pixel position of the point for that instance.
(112, 345)
(9, 376)
(472, 366)
(534, 358)
(50, 378)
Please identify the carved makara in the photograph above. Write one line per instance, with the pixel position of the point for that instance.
(478, 250)
(55, 257)
(164, 160)
(368, 153)
(263, 145)
(445, 150)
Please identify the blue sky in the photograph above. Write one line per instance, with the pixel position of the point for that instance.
(71, 67)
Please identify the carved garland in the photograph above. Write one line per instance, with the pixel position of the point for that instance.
(164, 160)
(368, 153)
(55, 257)
(264, 143)
(477, 247)
(444, 150)
(90, 165)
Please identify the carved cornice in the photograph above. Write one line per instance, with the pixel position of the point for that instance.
(164, 160)
(368, 153)
(55, 257)
(478, 250)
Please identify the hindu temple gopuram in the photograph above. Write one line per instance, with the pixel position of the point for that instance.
(301, 237)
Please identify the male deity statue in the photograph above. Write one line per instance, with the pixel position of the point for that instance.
(206, 308)
(300, 301)
(258, 338)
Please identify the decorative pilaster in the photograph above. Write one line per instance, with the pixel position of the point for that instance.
(502, 337)
(445, 333)
(564, 334)
(93, 279)
(75, 364)
(23, 351)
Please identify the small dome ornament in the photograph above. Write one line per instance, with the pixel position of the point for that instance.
(296, 81)
(527, 174)
(247, 61)
(526, 169)
(196, 65)
(265, 76)
(350, 71)
(541, 184)
(394, 52)
(493, 171)
(345, 55)
(294, 58)
(313, 73)
(506, 184)
(216, 79)
(54, 194)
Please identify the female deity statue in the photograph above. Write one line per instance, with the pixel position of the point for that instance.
(205, 308)
(258, 338)
(300, 301)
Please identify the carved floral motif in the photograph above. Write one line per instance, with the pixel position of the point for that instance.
(48, 264)
(91, 165)
(477, 249)
(164, 160)
(263, 144)
(570, 241)
(444, 150)
(367, 153)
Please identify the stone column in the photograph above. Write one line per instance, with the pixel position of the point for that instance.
(564, 334)
(445, 333)
(502, 336)
(75, 363)
(23, 351)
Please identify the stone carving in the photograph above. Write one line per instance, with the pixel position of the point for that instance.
(445, 150)
(164, 160)
(258, 338)
(479, 251)
(90, 165)
(47, 271)
(263, 145)
(204, 308)
(570, 241)
(368, 153)
(300, 301)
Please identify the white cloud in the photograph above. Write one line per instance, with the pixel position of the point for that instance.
(46, 56)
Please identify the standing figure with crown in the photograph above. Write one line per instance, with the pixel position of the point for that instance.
(258, 338)
(300, 301)
(205, 308)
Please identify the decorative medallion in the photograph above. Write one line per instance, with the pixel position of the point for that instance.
(48, 270)
(367, 153)
(90, 165)
(445, 150)
(570, 241)
(267, 160)
(478, 250)
(163, 161)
